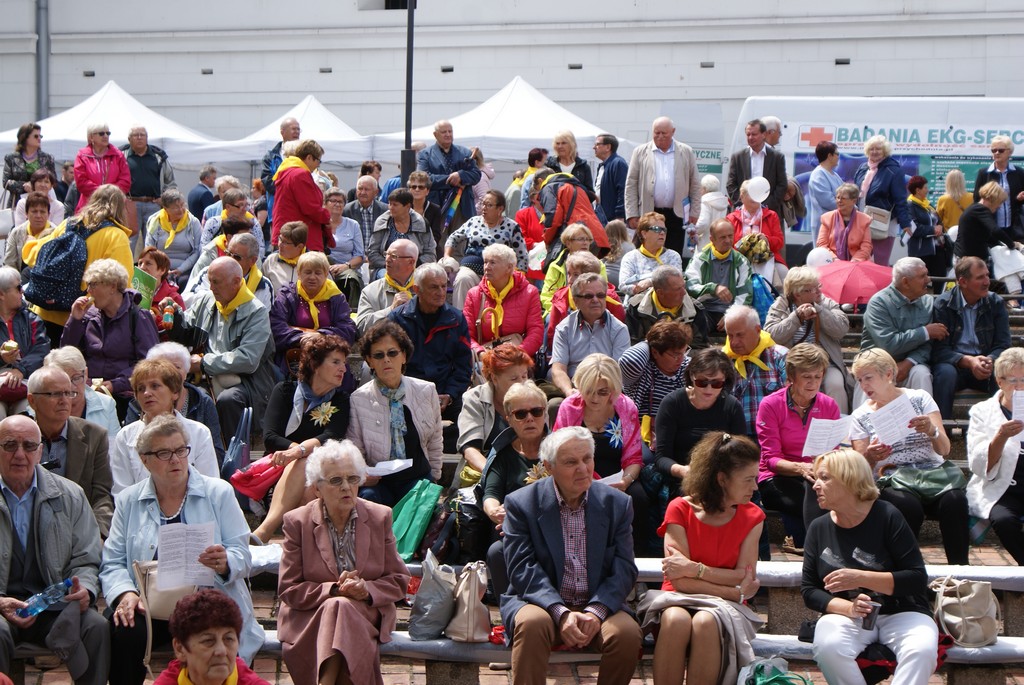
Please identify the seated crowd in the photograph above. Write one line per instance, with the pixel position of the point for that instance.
(601, 422)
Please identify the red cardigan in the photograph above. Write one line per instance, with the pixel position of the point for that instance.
(297, 197)
(522, 314)
(771, 228)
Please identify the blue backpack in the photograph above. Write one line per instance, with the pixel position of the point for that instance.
(55, 281)
(764, 295)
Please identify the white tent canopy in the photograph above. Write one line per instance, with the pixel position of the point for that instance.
(341, 143)
(505, 126)
(65, 133)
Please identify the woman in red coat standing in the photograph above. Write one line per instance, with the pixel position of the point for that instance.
(297, 197)
(99, 163)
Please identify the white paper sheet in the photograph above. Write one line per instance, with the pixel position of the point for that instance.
(614, 478)
(180, 545)
(1018, 405)
(386, 468)
(824, 434)
(892, 422)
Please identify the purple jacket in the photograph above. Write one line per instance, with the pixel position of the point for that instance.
(110, 346)
(335, 317)
(781, 432)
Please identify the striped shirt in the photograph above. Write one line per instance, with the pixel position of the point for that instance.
(574, 589)
(642, 380)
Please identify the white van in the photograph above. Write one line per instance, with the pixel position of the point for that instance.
(929, 136)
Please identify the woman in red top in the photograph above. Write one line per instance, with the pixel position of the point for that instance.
(528, 219)
(297, 197)
(752, 217)
(711, 538)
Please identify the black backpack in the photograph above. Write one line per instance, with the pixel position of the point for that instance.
(56, 279)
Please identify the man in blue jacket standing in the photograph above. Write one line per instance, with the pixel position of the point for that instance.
(611, 178)
(450, 167)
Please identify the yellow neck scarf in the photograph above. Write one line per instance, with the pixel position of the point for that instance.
(172, 231)
(661, 309)
(290, 262)
(290, 163)
(183, 678)
(407, 288)
(44, 229)
(254, 279)
(221, 242)
(754, 357)
(656, 256)
(924, 204)
(224, 216)
(327, 291)
(497, 311)
(244, 295)
(717, 254)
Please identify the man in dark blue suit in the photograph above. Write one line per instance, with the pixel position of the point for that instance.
(450, 167)
(569, 551)
(201, 197)
(611, 178)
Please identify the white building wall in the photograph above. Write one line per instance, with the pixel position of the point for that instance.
(636, 55)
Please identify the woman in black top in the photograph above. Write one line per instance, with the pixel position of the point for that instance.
(862, 554)
(300, 417)
(978, 230)
(686, 415)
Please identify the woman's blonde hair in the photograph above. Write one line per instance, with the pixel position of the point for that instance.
(1011, 358)
(797, 278)
(805, 357)
(575, 231)
(875, 359)
(107, 272)
(518, 392)
(313, 260)
(849, 467)
(107, 203)
(595, 368)
(993, 192)
(878, 140)
(956, 186)
(567, 136)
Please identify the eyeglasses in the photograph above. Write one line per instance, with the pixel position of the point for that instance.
(1013, 381)
(535, 412)
(579, 239)
(390, 354)
(656, 229)
(11, 446)
(335, 201)
(166, 455)
(241, 205)
(342, 481)
(102, 133)
(717, 383)
(417, 187)
(78, 378)
(843, 197)
(237, 257)
(998, 150)
(66, 394)
(590, 296)
(488, 205)
(396, 256)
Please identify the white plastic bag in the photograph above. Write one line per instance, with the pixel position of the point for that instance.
(435, 600)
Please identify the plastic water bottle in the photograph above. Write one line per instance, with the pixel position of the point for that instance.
(40, 602)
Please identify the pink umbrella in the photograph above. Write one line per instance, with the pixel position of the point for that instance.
(853, 282)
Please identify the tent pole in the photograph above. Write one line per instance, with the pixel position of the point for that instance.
(408, 155)
(42, 59)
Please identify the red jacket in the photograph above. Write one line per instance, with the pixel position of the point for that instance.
(533, 232)
(169, 676)
(582, 213)
(560, 309)
(91, 172)
(771, 228)
(297, 197)
(522, 314)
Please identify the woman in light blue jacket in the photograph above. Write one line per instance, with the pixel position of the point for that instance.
(176, 233)
(173, 493)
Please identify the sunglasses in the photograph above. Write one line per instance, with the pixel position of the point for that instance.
(103, 133)
(417, 187)
(590, 296)
(717, 384)
(521, 414)
(391, 354)
(656, 229)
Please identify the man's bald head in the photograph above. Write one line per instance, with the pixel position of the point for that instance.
(290, 129)
(225, 277)
(662, 132)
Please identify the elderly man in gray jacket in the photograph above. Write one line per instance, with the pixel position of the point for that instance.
(229, 333)
(48, 534)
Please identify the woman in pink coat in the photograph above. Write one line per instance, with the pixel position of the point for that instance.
(504, 305)
(846, 222)
(99, 163)
(340, 575)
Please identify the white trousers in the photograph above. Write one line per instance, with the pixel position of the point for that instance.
(911, 636)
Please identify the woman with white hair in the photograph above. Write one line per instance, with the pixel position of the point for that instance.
(110, 329)
(1011, 179)
(99, 163)
(752, 218)
(24, 343)
(565, 160)
(340, 575)
(504, 306)
(87, 404)
(883, 185)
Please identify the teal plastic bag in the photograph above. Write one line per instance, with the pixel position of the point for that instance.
(412, 515)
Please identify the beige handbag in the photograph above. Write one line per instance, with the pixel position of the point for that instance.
(880, 219)
(966, 610)
(159, 604)
(471, 621)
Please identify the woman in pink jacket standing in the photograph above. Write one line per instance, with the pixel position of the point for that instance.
(99, 163)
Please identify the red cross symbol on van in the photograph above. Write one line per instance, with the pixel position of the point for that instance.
(812, 135)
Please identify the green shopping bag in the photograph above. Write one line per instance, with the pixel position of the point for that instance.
(412, 515)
